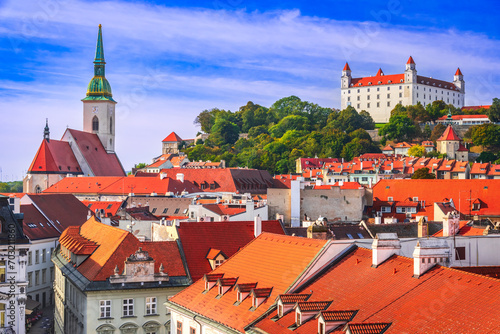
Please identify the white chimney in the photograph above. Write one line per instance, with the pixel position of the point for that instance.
(451, 224)
(384, 246)
(180, 177)
(163, 175)
(257, 226)
(428, 253)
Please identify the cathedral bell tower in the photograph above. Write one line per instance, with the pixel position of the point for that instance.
(98, 105)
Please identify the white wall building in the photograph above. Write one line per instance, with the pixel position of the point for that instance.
(379, 94)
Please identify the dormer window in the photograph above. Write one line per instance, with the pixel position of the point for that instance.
(390, 199)
(298, 318)
(280, 310)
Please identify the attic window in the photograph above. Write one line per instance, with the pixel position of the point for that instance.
(89, 205)
(390, 199)
(165, 210)
(176, 211)
(476, 206)
(154, 210)
(349, 235)
(370, 83)
(415, 199)
(109, 206)
(185, 211)
(359, 84)
(60, 168)
(390, 81)
(298, 318)
(401, 80)
(379, 82)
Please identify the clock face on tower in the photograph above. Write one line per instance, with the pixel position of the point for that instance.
(95, 109)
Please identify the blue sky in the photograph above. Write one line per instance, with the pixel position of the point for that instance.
(167, 61)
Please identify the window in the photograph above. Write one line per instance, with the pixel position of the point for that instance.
(30, 279)
(400, 87)
(297, 318)
(359, 98)
(378, 104)
(385, 209)
(388, 103)
(388, 96)
(459, 253)
(37, 257)
(154, 210)
(111, 125)
(348, 98)
(359, 105)
(349, 235)
(44, 274)
(378, 96)
(476, 206)
(415, 199)
(321, 328)
(29, 258)
(105, 308)
(358, 90)
(151, 305)
(378, 89)
(52, 274)
(218, 263)
(368, 105)
(368, 97)
(179, 327)
(388, 88)
(176, 211)
(128, 307)
(192, 330)
(43, 255)
(37, 277)
(390, 199)
(165, 210)
(280, 310)
(400, 94)
(95, 124)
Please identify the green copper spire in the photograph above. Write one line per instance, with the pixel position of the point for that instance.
(99, 87)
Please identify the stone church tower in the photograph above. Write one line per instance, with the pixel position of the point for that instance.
(98, 105)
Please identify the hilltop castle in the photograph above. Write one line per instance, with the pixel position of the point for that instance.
(379, 94)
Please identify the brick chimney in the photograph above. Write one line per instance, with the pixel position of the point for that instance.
(383, 247)
(428, 253)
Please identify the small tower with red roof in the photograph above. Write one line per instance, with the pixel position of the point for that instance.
(458, 80)
(171, 144)
(346, 76)
(451, 145)
(411, 71)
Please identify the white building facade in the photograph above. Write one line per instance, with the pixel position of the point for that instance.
(379, 94)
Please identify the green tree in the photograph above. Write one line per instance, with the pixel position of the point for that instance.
(486, 156)
(291, 122)
(423, 173)
(437, 131)
(416, 151)
(487, 135)
(494, 111)
(367, 122)
(206, 119)
(426, 134)
(224, 132)
(400, 128)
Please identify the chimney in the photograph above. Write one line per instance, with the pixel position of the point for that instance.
(163, 175)
(180, 177)
(428, 253)
(383, 247)
(257, 226)
(451, 224)
(423, 227)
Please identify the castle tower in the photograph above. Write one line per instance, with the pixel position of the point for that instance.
(98, 105)
(346, 76)
(410, 71)
(458, 80)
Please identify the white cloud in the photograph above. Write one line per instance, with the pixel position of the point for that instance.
(168, 64)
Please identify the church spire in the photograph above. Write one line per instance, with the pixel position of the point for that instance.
(99, 52)
(99, 87)
(46, 132)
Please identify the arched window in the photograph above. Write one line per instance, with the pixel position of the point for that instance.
(95, 124)
(111, 125)
(38, 189)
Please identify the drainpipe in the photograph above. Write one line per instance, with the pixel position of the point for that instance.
(199, 323)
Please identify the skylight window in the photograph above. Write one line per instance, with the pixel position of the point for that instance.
(349, 236)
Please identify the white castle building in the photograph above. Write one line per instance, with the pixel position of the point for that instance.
(379, 94)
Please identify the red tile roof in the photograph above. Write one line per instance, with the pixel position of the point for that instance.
(198, 238)
(270, 260)
(464, 229)
(461, 117)
(110, 208)
(109, 247)
(313, 306)
(410, 61)
(430, 191)
(449, 134)
(173, 137)
(368, 328)
(307, 163)
(390, 294)
(292, 298)
(436, 83)
(476, 107)
(48, 215)
(458, 72)
(338, 315)
(346, 67)
(223, 209)
(100, 162)
(54, 156)
(379, 79)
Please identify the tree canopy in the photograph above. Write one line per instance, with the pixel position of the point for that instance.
(289, 129)
(423, 173)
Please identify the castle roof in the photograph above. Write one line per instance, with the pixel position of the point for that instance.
(54, 156)
(410, 60)
(458, 72)
(346, 67)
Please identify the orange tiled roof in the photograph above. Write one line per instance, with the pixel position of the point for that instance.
(368, 328)
(109, 246)
(292, 298)
(389, 294)
(338, 315)
(313, 306)
(277, 269)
